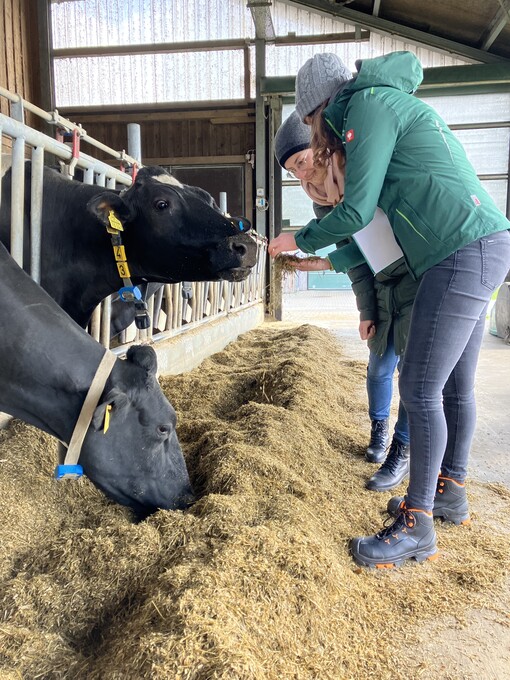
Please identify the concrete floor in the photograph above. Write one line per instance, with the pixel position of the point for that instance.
(490, 455)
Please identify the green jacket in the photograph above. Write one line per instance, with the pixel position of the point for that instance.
(402, 157)
(386, 298)
(395, 290)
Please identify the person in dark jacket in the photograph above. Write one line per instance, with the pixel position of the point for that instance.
(384, 302)
(402, 157)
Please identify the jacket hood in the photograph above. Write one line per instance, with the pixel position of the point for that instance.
(400, 70)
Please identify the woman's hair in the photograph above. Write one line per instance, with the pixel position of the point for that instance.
(324, 141)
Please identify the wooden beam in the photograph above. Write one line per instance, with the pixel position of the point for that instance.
(204, 45)
(47, 89)
(196, 160)
(141, 116)
(236, 121)
(150, 48)
(497, 24)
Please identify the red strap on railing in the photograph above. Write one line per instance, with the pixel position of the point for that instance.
(76, 144)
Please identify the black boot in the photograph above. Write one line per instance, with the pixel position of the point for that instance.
(379, 440)
(394, 469)
(450, 502)
(411, 536)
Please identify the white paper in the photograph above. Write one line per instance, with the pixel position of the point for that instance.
(377, 242)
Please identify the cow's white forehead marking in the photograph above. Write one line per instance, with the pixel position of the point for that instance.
(168, 179)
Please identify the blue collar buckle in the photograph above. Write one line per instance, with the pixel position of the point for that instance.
(68, 472)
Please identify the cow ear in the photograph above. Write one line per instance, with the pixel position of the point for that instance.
(104, 203)
(143, 356)
(118, 400)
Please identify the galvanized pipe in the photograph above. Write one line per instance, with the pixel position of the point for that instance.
(106, 308)
(95, 323)
(134, 141)
(36, 204)
(15, 129)
(158, 300)
(18, 199)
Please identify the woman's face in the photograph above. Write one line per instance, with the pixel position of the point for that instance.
(300, 165)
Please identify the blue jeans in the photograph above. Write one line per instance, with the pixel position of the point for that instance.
(380, 389)
(438, 372)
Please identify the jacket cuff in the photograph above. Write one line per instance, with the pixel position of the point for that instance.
(302, 239)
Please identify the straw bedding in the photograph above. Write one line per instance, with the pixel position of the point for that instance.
(255, 581)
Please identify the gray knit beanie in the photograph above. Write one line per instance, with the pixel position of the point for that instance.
(317, 80)
(292, 136)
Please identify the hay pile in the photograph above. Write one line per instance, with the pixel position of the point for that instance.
(254, 582)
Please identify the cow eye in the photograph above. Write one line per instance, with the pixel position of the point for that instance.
(163, 430)
(161, 205)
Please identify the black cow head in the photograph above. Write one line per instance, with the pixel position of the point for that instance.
(175, 232)
(138, 461)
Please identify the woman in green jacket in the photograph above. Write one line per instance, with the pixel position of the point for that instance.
(402, 157)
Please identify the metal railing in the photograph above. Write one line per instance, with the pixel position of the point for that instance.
(171, 313)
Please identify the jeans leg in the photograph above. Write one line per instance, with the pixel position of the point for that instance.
(460, 408)
(444, 338)
(402, 424)
(380, 382)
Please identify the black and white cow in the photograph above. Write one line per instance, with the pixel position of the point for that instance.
(47, 363)
(172, 233)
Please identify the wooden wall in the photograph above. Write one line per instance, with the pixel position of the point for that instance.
(169, 136)
(19, 50)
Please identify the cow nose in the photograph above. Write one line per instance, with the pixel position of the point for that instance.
(240, 249)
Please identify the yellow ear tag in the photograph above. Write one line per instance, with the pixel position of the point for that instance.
(114, 221)
(107, 418)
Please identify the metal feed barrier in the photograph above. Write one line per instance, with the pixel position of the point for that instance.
(172, 310)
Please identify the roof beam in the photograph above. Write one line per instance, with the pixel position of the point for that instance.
(385, 27)
(261, 15)
(443, 80)
(204, 45)
(497, 24)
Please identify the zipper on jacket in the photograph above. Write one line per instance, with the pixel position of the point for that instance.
(411, 224)
(333, 128)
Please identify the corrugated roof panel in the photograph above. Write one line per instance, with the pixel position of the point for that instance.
(95, 81)
(92, 23)
(88, 81)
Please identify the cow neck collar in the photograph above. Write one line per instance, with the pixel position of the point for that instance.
(128, 292)
(70, 467)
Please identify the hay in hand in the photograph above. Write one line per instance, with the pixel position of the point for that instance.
(255, 581)
(283, 262)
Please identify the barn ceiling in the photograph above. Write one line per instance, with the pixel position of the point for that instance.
(477, 29)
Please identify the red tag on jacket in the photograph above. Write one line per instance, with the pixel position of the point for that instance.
(349, 135)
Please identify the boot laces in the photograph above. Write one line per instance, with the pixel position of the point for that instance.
(395, 455)
(404, 521)
(378, 433)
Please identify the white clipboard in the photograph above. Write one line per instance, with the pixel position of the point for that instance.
(377, 243)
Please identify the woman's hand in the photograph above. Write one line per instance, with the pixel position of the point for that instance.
(310, 264)
(282, 244)
(367, 330)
